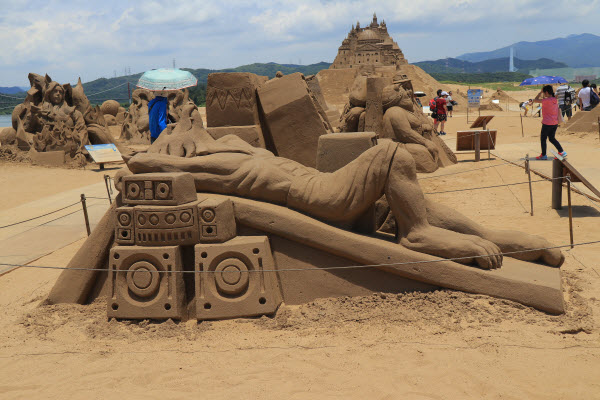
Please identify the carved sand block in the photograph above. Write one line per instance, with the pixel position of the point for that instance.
(374, 107)
(338, 149)
(216, 220)
(159, 189)
(235, 279)
(145, 283)
(162, 225)
(292, 118)
(251, 134)
(231, 99)
(202, 221)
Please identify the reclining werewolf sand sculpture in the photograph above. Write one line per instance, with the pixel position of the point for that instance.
(56, 118)
(209, 228)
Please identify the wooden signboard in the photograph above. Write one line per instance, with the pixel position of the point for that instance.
(482, 121)
(104, 153)
(465, 140)
(576, 176)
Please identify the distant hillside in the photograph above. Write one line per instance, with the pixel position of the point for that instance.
(575, 50)
(454, 65)
(482, 77)
(103, 86)
(103, 89)
(12, 90)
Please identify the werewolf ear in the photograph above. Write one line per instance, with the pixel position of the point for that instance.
(48, 79)
(68, 94)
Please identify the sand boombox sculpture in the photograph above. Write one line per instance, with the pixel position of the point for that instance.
(162, 217)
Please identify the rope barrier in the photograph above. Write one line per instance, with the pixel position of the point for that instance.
(327, 268)
(494, 186)
(593, 203)
(463, 172)
(39, 216)
(107, 90)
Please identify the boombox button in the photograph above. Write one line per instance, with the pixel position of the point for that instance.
(209, 230)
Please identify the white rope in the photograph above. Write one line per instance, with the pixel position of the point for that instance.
(326, 268)
(463, 172)
(107, 90)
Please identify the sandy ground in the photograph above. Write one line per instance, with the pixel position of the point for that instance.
(437, 345)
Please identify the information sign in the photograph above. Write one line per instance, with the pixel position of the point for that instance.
(104, 153)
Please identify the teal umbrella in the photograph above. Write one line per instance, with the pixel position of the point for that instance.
(167, 79)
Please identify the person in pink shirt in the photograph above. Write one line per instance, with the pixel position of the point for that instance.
(550, 119)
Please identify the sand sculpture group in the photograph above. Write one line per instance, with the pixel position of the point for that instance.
(56, 118)
(136, 127)
(387, 107)
(233, 219)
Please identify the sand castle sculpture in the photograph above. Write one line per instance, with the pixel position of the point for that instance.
(387, 107)
(371, 45)
(56, 117)
(136, 127)
(207, 228)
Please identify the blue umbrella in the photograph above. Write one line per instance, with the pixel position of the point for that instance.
(543, 80)
(167, 79)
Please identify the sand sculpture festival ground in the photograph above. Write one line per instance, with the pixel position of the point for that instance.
(441, 344)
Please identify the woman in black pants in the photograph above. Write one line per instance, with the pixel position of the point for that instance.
(550, 119)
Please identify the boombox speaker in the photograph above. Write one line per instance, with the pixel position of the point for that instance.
(160, 189)
(216, 220)
(145, 283)
(125, 231)
(236, 279)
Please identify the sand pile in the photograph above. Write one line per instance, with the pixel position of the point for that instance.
(490, 107)
(502, 96)
(583, 122)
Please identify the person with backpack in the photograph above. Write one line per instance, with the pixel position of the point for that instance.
(551, 117)
(433, 106)
(588, 99)
(565, 95)
(441, 112)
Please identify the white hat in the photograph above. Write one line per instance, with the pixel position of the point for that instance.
(445, 94)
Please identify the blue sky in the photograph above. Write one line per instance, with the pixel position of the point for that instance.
(92, 39)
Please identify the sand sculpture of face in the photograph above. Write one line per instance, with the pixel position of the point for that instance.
(55, 94)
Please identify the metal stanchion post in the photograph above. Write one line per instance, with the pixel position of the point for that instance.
(108, 188)
(522, 132)
(477, 147)
(527, 167)
(556, 184)
(85, 214)
(570, 210)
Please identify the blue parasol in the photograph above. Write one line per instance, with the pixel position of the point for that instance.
(167, 79)
(543, 80)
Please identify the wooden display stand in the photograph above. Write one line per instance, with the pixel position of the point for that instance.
(475, 139)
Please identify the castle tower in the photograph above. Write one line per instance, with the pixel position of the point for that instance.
(371, 46)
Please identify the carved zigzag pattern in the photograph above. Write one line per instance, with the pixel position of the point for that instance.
(237, 95)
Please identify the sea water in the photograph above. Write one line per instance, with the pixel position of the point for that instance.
(5, 120)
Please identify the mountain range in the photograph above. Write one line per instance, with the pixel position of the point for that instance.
(116, 88)
(576, 51)
(454, 65)
(12, 89)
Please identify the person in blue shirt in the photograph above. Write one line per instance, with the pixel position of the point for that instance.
(157, 115)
